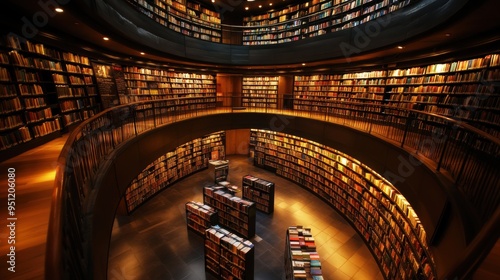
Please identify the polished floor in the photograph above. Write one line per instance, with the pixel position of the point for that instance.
(154, 242)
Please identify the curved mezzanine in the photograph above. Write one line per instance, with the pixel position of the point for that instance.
(342, 45)
(106, 145)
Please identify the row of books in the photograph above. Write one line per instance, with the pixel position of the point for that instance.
(301, 257)
(171, 167)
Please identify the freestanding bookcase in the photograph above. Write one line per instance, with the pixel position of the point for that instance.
(301, 258)
(235, 213)
(227, 255)
(200, 217)
(221, 170)
(259, 191)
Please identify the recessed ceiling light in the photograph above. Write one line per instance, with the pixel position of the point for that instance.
(246, 8)
(59, 10)
(105, 38)
(270, 4)
(260, 6)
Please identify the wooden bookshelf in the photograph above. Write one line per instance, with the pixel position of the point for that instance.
(260, 91)
(200, 217)
(301, 257)
(220, 170)
(375, 208)
(227, 255)
(259, 191)
(189, 18)
(186, 159)
(235, 213)
(157, 83)
(314, 18)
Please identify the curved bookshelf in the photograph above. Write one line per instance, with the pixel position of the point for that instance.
(382, 216)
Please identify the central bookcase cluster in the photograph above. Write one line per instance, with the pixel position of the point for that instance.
(466, 90)
(381, 215)
(235, 213)
(313, 18)
(173, 166)
(260, 91)
(43, 90)
(186, 17)
(157, 83)
(301, 258)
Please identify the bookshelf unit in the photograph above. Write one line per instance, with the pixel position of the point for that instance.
(235, 213)
(76, 91)
(259, 191)
(301, 258)
(314, 18)
(260, 91)
(186, 159)
(220, 170)
(227, 255)
(200, 217)
(156, 83)
(381, 215)
(185, 17)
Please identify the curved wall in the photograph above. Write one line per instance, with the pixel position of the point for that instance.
(129, 159)
(382, 32)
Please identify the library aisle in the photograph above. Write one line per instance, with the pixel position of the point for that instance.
(34, 174)
(154, 242)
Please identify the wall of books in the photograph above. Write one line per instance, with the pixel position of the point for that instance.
(42, 90)
(466, 90)
(171, 167)
(260, 91)
(186, 17)
(382, 216)
(156, 83)
(314, 18)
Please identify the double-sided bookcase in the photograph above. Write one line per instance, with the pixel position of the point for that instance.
(314, 18)
(227, 255)
(187, 17)
(301, 257)
(235, 214)
(466, 90)
(381, 215)
(42, 91)
(259, 191)
(172, 166)
(260, 91)
(200, 217)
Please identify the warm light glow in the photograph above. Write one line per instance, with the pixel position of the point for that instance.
(142, 53)
(246, 8)
(400, 47)
(59, 10)
(447, 34)
(260, 6)
(105, 38)
(303, 64)
(44, 177)
(270, 4)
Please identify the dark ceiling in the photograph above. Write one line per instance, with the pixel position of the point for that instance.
(475, 29)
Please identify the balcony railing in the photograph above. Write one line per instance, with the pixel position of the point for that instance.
(469, 156)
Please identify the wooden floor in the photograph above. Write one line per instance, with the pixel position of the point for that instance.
(34, 173)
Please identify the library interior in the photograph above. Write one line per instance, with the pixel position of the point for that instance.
(239, 139)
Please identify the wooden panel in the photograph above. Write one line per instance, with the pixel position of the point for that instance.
(237, 141)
